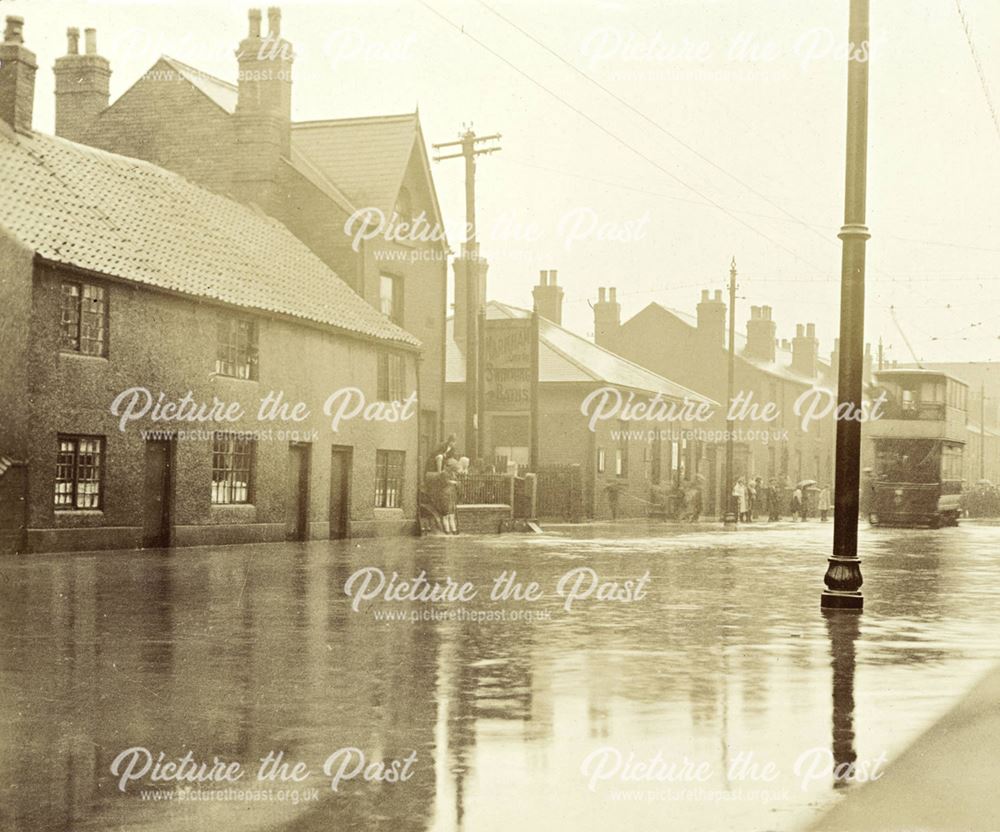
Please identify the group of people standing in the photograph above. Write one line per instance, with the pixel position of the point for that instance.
(749, 498)
(441, 472)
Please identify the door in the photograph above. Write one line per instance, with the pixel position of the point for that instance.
(297, 499)
(156, 493)
(340, 491)
(13, 507)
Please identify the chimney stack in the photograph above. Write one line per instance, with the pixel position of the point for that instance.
(712, 318)
(82, 86)
(17, 77)
(607, 318)
(263, 118)
(805, 349)
(548, 297)
(760, 334)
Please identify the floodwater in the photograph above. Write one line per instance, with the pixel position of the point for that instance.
(720, 699)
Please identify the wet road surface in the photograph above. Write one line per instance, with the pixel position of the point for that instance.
(718, 697)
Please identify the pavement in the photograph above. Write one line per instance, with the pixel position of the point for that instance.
(948, 780)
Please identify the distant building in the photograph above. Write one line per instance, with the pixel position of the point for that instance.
(240, 140)
(692, 350)
(630, 457)
(116, 274)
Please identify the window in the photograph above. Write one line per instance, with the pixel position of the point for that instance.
(390, 297)
(232, 469)
(79, 472)
(621, 453)
(389, 478)
(236, 348)
(84, 319)
(404, 206)
(390, 377)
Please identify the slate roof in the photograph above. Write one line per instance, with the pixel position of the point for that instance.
(221, 92)
(564, 356)
(780, 367)
(129, 219)
(366, 157)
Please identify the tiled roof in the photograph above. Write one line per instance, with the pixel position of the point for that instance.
(129, 219)
(564, 356)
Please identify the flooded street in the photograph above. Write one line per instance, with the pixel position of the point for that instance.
(494, 710)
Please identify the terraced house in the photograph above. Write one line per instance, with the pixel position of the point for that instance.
(314, 177)
(167, 355)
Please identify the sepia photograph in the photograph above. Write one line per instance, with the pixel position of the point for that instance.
(487, 415)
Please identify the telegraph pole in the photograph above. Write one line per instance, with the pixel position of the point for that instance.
(731, 516)
(843, 575)
(473, 271)
(982, 430)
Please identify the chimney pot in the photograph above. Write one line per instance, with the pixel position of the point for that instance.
(552, 276)
(600, 295)
(254, 17)
(754, 313)
(718, 295)
(543, 278)
(14, 31)
(90, 39)
(704, 295)
(800, 331)
(17, 77)
(274, 21)
(611, 294)
(765, 311)
(72, 41)
(810, 330)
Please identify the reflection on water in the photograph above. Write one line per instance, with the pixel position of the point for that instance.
(843, 627)
(234, 653)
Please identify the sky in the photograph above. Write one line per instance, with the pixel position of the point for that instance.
(646, 144)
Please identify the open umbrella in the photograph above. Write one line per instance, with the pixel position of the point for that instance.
(806, 483)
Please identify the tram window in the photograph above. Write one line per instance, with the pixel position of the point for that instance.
(908, 460)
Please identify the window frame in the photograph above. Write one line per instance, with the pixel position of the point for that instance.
(395, 301)
(75, 345)
(232, 345)
(74, 480)
(230, 472)
(390, 376)
(387, 461)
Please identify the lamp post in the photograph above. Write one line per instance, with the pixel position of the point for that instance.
(843, 575)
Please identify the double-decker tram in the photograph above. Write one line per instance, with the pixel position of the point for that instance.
(918, 447)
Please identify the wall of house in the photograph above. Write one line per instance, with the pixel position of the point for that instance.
(164, 120)
(670, 347)
(15, 300)
(168, 343)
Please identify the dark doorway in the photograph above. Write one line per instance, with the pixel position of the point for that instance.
(13, 507)
(156, 503)
(340, 491)
(297, 499)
